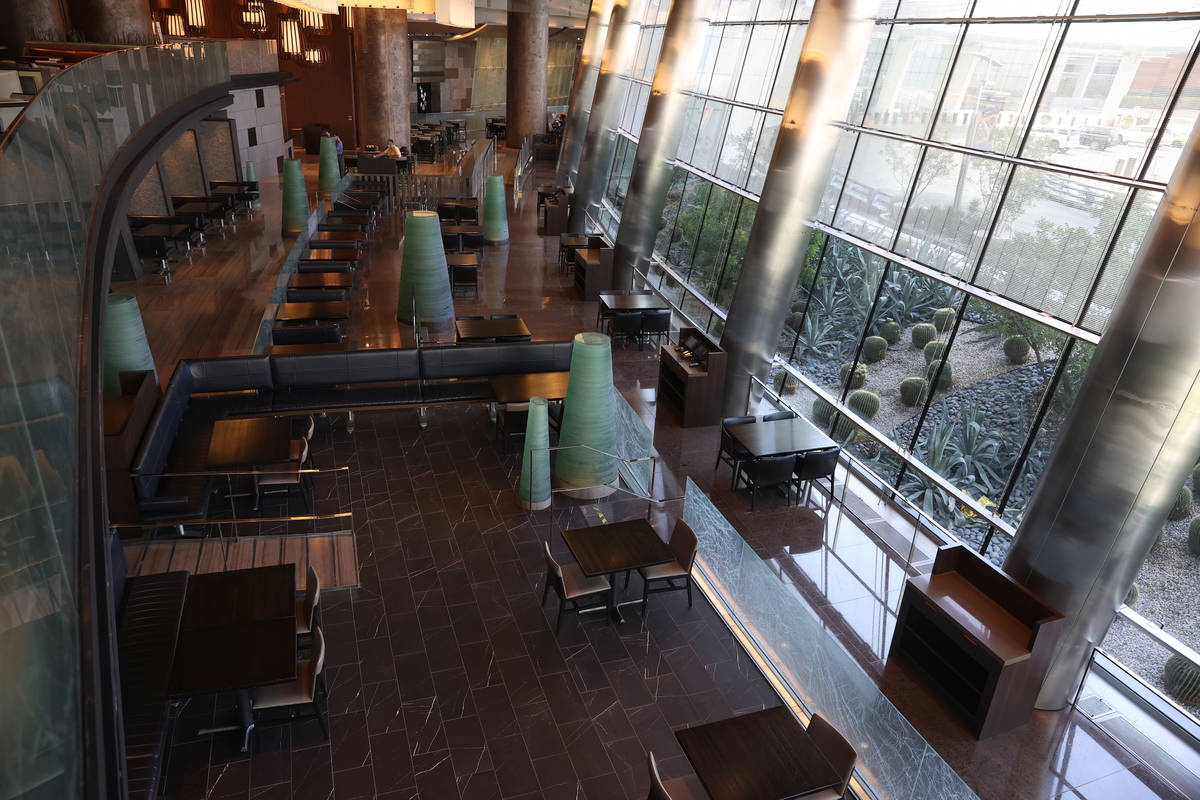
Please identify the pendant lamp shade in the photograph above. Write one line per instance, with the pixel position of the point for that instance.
(588, 420)
(125, 345)
(327, 177)
(495, 214)
(534, 489)
(424, 279)
(295, 197)
(249, 174)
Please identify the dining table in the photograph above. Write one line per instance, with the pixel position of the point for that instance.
(321, 280)
(614, 548)
(321, 310)
(476, 330)
(633, 302)
(246, 442)
(521, 388)
(462, 259)
(780, 437)
(765, 755)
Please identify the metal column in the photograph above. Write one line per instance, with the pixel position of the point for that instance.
(619, 48)
(528, 51)
(653, 165)
(826, 74)
(583, 90)
(1126, 446)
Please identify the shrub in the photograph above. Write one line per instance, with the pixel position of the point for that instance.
(923, 333)
(822, 412)
(912, 390)
(843, 430)
(1016, 349)
(1194, 537)
(1131, 597)
(875, 348)
(1182, 679)
(946, 378)
(943, 318)
(864, 402)
(933, 351)
(795, 320)
(858, 378)
(890, 331)
(1183, 504)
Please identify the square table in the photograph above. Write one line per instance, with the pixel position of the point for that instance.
(462, 259)
(633, 302)
(616, 547)
(333, 309)
(522, 388)
(321, 280)
(167, 230)
(338, 236)
(249, 442)
(307, 348)
(780, 437)
(766, 755)
(469, 330)
(461, 229)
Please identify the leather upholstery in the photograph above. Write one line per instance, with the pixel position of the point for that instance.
(336, 369)
(160, 433)
(482, 360)
(233, 374)
(306, 334)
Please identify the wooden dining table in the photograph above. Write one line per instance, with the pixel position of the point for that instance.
(474, 330)
(633, 302)
(321, 280)
(780, 437)
(765, 755)
(249, 442)
(462, 259)
(614, 548)
(523, 387)
(330, 309)
(338, 236)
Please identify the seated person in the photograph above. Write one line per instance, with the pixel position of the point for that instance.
(391, 151)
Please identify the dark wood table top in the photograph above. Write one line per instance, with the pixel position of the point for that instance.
(520, 388)
(633, 302)
(573, 241)
(766, 755)
(462, 259)
(460, 229)
(616, 547)
(167, 230)
(307, 349)
(221, 599)
(322, 280)
(338, 236)
(331, 309)
(330, 254)
(249, 441)
(469, 329)
(780, 437)
(589, 254)
(116, 412)
(459, 202)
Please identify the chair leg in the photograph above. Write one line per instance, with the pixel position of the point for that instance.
(753, 495)
(645, 596)
(717, 465)
(546, 590)
(627, 578)
(689, 585)
(558, 622)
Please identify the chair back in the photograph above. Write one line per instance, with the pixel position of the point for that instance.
(552, 566)
(627, 324)
(817, 463)
(779, 415)
(657, 790)
(450, 241)
(469, 318)
(318, 655)
(684, 544)
(472, 241)
(612, 292)
(772, 470)
(726, 436)
(658, 321)
(312, 595)
(464, 276)
(640, 292)
(835, 748)
(506, 316)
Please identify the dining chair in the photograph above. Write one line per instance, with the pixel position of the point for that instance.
(287, 476)
(688, 787)
(731, 452)
(816, 465)
(450, 242)
(306, 606)
(468, 215)
(684, 546)
(639, 292)
(511, 424)
(656, 324)
(473, 242)
(506, 316)
(469, 318)
(778, 415)
(625, 326)
(837, 752)
(463, 278)
(571, 586)
(304, 693)
(765, 473)
(603, 313)
(447, 212)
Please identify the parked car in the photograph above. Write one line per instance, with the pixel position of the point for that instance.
(1053, 140)
(1099, 138)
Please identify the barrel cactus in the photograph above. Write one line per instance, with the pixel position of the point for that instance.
(875, 348)
(1131, 597)
(1183, 504)
(1196, 477)
(799, 306)
(865, 403)
(844, 429)
(795, 320)
(890, 331)
(1016, 349)
(945, 379)
(943, 318)
(1194, 537)
(822, 412)
(1182, 679)
(912, 390)
(858, 378)
(785, 382)
(923, 333)
(934, 351)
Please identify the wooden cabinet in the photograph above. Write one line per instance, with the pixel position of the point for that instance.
(593, 271)
(696, 391)
(556, 216)
(983, 639)
(125, 419)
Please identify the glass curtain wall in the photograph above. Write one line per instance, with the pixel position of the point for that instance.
(990, 190)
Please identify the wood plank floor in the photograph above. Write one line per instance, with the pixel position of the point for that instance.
(333, 556)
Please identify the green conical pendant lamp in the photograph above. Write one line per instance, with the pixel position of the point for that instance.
(533, 492)
(588, 420)
(327, 177)
(424, 278)
(125, 345)
(295, 198)
(495, 213)
(249, 173)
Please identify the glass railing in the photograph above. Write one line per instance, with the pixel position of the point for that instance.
(53, 162)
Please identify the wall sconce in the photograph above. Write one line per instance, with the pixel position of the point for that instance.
(196, 21)
(289, 36)
(254, 16)
(312, 21)
(173, 23)
(315, 56)
(348, 18)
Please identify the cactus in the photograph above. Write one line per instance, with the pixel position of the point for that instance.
(1182, 679)
(875, 348)
(890, 331)
(799, 306)
(933, 351)
(822, 412)
(1183, 504)
(795, 320)
(1131, 597)
(857, 379)
(912, 390)
(843, 430)
(865, 403)
(1016, 349)
(1194, 537)
(785, 382)
(923, 333)
(946, 378)
(943, 318)
(1196, 477)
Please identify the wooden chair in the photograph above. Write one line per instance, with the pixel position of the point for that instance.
(656, 324)
(464, 278)
(688, 787)
(306, 606)
(816, 465)
(837, 752)
(302, 694)
(684, 545)
(731, 452)
(765, 473)
(511, 424)
(571, 586)
(286, 476)
(626, 326)
(601, 312)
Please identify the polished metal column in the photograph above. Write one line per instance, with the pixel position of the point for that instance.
(594, 162)
(528, 52)
(383, 76)
(653, 165)
(583, 90)
(1127, 445)
(826, 74)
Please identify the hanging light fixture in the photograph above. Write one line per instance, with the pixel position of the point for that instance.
(195, 15)
(456, 13)
(254, 16)
(173, 22)
(289, 36)
(315, 56)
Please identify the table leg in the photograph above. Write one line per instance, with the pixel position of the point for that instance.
(614, 610)
(246, 716)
